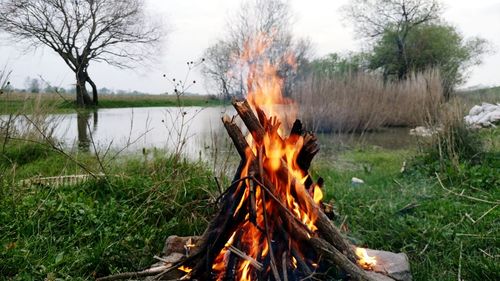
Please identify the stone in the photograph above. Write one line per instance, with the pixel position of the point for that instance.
(395, 266)
(181, 245)
(483, 116)
(175, 249)
(356, 181)
(421, 131)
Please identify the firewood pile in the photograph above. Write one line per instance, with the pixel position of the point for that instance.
(270, 225)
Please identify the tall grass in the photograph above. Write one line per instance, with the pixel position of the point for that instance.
(100, 227)
(38, 125)
(461, 156)
(453, 142)
(362, 101)
(473, 97)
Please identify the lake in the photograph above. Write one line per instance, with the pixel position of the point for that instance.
(197, 132)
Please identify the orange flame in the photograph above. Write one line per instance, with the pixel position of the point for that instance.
(265, 86)
(185, 269)
(364, 260)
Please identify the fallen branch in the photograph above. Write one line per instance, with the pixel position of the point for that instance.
(465, 196)
(129, 275)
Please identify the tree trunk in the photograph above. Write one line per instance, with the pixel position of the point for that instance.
(95, 98)
(82, 96)
(402, 60)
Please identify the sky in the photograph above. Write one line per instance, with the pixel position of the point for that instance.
(194, 25)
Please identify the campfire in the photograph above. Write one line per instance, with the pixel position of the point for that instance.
(271, 224)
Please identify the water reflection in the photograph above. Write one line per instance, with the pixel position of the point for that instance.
(82, 123)
(195, 132)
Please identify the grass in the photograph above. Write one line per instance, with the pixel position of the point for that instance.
(25, 102)
(99, 227)
(410, 212)
(102, 227)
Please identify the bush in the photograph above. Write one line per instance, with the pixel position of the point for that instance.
(453, 142)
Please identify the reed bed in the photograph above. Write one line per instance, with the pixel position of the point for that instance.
(362, 101)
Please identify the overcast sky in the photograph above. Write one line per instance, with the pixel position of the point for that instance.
(196, 24)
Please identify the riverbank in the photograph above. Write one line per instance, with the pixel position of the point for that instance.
(118, 223)
(64, 103)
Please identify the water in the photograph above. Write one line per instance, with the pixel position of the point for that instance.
(197, 132)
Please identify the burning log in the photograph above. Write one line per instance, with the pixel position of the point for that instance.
(305, 156)
(257, 202)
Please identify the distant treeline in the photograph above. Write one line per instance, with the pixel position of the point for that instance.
(36, 85)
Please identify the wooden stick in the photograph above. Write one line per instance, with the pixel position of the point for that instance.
(465, 196)
(145, 273)
(284, 266)
(301, 263)
(218, 231)
(236, 136)
(274, 268)
(303, 228)
(246, 114)
(257, 265)
(335, 257)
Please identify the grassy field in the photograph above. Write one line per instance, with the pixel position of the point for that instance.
(98, 227)
(482, 93)
(25, 102)
(472, 97)
(117, 224)
(411, 212)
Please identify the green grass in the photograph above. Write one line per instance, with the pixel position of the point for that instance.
(53, 103)
(410, 212)
(115, 225)
(99, 227)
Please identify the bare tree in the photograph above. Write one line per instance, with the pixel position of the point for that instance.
(272, 18)
(372, 19)
(216, 67)
(81, 31)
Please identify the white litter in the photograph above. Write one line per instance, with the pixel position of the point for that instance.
(483, 116)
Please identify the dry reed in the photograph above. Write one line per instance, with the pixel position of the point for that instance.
(362, 101)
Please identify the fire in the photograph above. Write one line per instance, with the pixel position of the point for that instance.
(364, 260)
(185, 269)
(278, 152)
